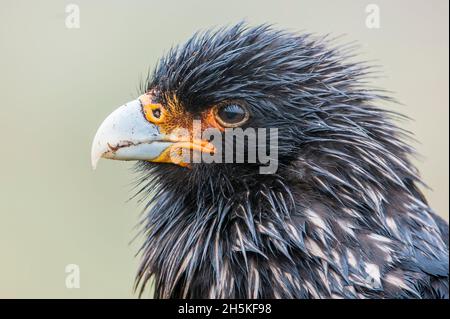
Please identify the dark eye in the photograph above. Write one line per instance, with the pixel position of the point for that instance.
(231, 115)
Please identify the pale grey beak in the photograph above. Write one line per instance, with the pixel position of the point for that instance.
(126, 135)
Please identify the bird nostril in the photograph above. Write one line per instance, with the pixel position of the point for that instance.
(157, 113)
(154, 112)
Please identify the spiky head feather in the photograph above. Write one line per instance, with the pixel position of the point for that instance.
(342, 216)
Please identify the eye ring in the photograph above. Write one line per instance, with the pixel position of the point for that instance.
(231, 114)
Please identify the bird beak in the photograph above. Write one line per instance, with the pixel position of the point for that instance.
(127, 135)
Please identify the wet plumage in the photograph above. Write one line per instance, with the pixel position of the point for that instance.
(343, 216)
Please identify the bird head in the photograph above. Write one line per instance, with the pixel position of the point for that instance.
(330, 155)
(301, 97)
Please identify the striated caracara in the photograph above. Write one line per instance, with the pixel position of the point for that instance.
(340, 215)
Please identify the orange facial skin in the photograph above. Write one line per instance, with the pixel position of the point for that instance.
(173, 115)
(209, 121)
(177, 125)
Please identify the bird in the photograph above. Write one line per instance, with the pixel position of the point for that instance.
(343, 214)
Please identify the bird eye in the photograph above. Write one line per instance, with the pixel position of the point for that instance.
(231, 115)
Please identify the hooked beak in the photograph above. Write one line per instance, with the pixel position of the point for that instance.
(127, 135)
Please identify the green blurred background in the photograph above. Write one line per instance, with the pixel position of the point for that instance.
(58, 84)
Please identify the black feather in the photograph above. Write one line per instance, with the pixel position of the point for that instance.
(343, 216)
